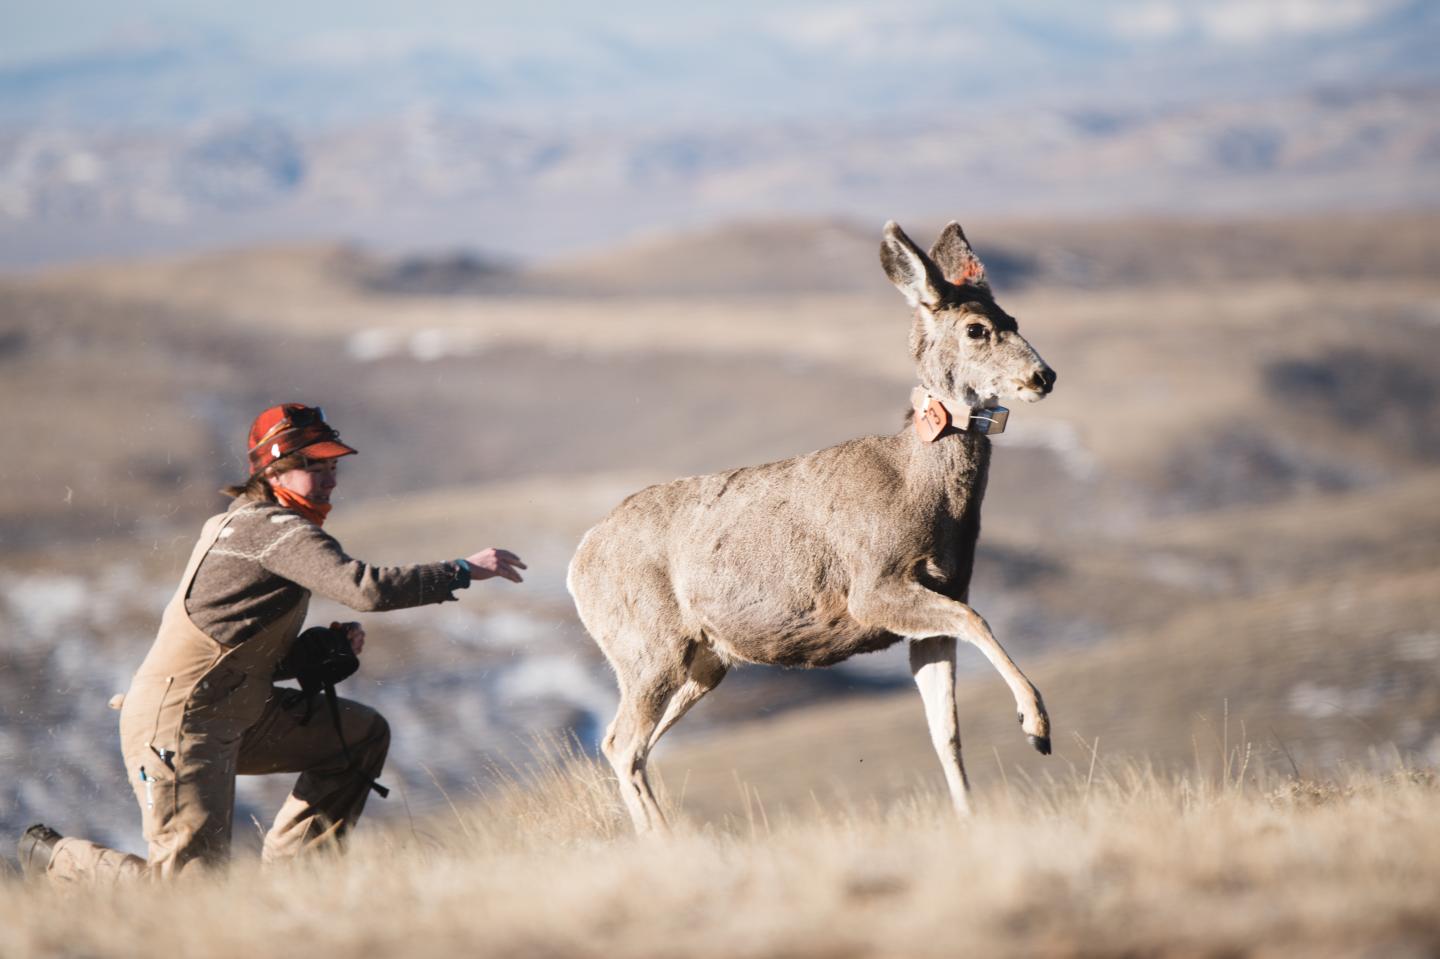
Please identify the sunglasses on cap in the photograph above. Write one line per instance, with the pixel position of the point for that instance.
(295, 419)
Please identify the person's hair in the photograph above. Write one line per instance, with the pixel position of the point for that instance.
(257, 487)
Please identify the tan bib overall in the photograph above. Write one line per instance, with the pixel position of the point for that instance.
(197, 713)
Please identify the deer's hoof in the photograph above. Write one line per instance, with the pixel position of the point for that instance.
(1041, 744)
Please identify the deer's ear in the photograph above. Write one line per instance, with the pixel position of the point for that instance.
(957, 260)
(909, 269)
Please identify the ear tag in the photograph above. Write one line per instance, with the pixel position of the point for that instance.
(972, 271)
(931, 421)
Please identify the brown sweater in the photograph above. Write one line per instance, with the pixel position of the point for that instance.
(270, 558)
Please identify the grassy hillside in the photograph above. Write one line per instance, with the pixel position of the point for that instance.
(1109, 861)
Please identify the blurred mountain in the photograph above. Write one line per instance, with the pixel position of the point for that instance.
(427, 179)
(535, 131)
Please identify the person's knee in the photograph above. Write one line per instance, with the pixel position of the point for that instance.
(363, 723)
(367, 733)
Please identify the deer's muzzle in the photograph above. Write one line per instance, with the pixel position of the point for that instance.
(1043, 381)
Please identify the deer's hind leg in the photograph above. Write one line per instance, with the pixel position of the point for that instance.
(647, 686)
(704, 672)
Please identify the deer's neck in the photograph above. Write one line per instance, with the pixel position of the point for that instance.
(951, 470)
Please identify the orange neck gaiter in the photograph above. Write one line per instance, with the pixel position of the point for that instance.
(314, 512)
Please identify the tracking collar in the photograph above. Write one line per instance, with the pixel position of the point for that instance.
(933, 418)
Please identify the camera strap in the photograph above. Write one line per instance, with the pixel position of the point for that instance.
(333, 701)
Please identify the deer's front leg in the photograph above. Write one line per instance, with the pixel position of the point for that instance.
(909, 609)
(932, 663)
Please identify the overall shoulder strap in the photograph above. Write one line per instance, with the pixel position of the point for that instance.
(209, 534)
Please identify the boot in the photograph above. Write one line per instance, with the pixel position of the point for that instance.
(36, 846)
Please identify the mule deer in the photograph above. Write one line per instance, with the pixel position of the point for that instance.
(810, 560)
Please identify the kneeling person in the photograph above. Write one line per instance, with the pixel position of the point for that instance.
(202, 708)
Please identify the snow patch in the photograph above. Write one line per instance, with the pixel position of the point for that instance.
(42, 604)
(1321, 702)
(368, 346)
(1418, 647)
(426, 346)
(558, 678)
(1187, 573)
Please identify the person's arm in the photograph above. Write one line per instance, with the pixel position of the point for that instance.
(307, 555)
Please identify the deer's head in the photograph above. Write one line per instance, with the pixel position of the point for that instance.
(967, 350)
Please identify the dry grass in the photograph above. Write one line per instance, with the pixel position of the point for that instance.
(1116, 860)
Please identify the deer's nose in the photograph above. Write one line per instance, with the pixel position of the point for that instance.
(1043, 381)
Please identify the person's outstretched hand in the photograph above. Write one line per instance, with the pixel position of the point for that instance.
(495, 562)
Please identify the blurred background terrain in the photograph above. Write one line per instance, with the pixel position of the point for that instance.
(530, 262)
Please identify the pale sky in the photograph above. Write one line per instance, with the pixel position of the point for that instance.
(31, 30)
(35, 30)
(156, 60)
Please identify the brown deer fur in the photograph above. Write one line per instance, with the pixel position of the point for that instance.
(811, 560)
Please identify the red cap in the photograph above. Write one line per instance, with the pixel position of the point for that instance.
(292, 428)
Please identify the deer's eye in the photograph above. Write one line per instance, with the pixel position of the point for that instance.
(976, 331)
